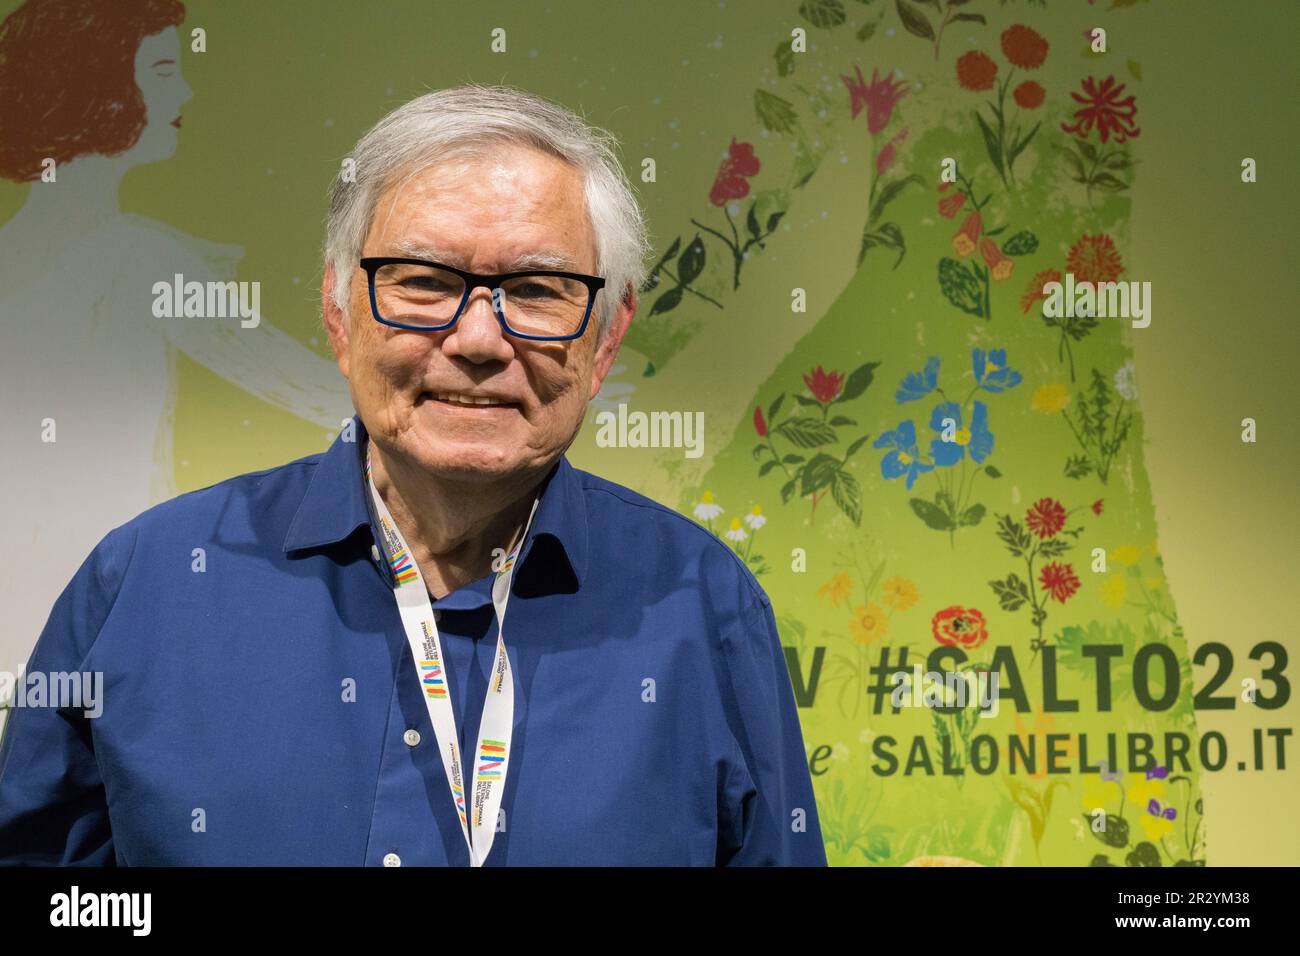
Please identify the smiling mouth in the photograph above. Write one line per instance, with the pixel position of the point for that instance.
(459, 400)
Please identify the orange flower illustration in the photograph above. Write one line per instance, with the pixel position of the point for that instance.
(1094, 259)
(1000, 264)
(963, 243)
(1024, 46)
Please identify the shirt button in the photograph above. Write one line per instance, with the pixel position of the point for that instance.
(392, 859)
(412, 737)
(374, 551)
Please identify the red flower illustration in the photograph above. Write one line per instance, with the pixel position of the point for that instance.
(1096, 506)
(999, 263)
(1103, 109)
(731, 183)
(760, 424)
(976, 71)
(963, 243)
(886, 157)
(949, 206)
(958, 626)
(1046, 517)
(1094, 259)
(1024, 47)
(1060, 580)
(1029, 95)
(1034, 292)
(824, 385)
(880, 96)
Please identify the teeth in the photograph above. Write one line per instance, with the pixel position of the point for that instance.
(467, 399)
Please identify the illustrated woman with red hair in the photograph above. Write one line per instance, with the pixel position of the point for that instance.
(90, 90)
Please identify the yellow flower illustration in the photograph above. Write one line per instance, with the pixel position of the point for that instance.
(1050, 398)
(900, 593)
(1125, 554)
(1141, 790)
(1155, 827)
(1114, 591)
(1098, 793)
(869, 623)
(836, 589)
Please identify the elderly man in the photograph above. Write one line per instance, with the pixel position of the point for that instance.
(310, 664)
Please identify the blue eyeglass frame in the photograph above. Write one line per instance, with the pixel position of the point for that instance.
(372, 264)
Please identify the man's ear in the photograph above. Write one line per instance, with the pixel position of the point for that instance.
(612, 340)
(335, 321)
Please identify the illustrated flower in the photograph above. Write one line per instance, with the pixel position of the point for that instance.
(1029, 95)
(886, 157)
(869, 623)
(958, 626)
(949, 206)
(1000, 264)
(1046, 517)
(1094, 259)
(736, 532)
(904, 459)
(1059, 580)
(899, 593)
(977, 438)
(706, 510)
(963, 243)
(976, 71)
(836, 589)
(917, 385)
(1126, 555)
(1143, 789)
(731, 182)
(1114, 591)
(1103, 110)
(1096, 506)
(1034, 293)
(1124, 383)
(1050, 398)
(756, 519)
(880, 96)
(1024, 46)
(1097, 792)
(992, 373)
(825, 386)
(760, 423)
(1158, 821)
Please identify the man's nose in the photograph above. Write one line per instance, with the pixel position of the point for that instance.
(477, 335)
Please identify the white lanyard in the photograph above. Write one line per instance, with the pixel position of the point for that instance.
(497, 722)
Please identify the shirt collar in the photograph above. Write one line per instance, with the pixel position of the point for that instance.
(337, 502)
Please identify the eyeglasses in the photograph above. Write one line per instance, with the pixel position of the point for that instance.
(429, 297)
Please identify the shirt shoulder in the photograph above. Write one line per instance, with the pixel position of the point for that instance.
(244, 503)
(661, 539)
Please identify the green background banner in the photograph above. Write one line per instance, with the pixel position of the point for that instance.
(1092, 529)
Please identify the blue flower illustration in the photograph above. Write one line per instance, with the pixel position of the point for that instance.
(991, 371)
(917, 385)
(977, 439)
(904, 459)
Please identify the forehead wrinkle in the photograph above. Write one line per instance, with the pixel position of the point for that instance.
(414, 249)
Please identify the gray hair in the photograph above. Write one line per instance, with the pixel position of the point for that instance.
(465, 122)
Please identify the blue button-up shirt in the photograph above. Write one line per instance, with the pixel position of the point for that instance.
(259, 693)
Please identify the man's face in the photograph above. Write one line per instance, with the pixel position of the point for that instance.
(478, 216)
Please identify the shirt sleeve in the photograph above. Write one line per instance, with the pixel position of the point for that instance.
(767, 810)
(53, 809)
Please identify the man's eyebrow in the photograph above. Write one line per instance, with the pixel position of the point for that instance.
(528, 260)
